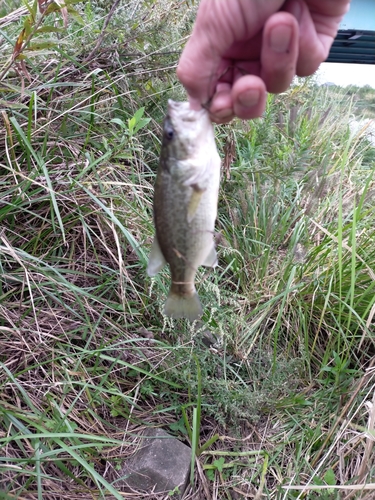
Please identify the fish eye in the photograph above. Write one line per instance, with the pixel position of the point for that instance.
(168, 130)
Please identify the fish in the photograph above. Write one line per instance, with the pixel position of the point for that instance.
(185, 205)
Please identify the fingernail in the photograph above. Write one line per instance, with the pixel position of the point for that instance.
(280, 38)
(224, 113)
(296, 10)
(249, 98)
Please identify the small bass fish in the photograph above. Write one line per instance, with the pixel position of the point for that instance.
(185, 205)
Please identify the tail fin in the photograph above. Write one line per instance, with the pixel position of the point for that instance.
(183, 306)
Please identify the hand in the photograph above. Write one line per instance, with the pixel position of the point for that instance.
(240, 49)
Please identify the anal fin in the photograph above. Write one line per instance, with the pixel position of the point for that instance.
(156, 260)
(211, 258)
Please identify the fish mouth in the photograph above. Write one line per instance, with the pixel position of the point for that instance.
(182, 111)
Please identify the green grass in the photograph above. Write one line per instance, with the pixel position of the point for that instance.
(274, 387)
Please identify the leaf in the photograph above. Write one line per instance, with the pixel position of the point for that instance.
(27, 26)
(76, 16)
(318, 481)
(330, 477)
(119, 122)
(131, 124)
(136, 122)
(139, 113)
(41, 45)
(52, 7)
(178, 426)
(19, 42)
(142, 123)
(32, 9)
(210, 473)
(219, 464)
(33, 53)
(41, 164)
(89, 469)
(49, 29)
(11, 105)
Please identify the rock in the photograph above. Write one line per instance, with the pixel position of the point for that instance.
(162, 464)
(364, 127)
(208, 339)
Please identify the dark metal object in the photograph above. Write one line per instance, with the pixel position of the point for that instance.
(356, 47)
(355, 40)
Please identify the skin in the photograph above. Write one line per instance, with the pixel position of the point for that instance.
(241, 49)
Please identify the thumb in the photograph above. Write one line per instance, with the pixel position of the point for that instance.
(219, 24)
(197, 69)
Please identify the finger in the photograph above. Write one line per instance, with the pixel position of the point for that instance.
(318, 27)
(311, 51)
(249, 97)
(246, 99)
(279, 51)
(198, 67)
(221, 107)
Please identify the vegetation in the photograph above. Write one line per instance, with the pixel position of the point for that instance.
(274, 388)
(364, 100)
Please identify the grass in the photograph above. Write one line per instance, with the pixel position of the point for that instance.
(274, 387)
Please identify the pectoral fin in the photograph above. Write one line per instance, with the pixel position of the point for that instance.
(211, 259)
(156, 260)
(194, 203)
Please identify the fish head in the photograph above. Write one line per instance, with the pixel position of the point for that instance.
(186, 131)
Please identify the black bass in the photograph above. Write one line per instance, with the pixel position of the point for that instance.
(185, 205)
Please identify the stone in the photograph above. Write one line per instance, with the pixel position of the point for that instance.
(162, 464)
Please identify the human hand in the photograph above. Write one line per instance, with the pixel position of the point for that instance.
(240, 49)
